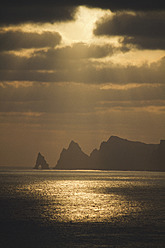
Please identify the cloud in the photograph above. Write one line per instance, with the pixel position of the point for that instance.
(53, 59)
(15, 12)
(15, 40)
(45, 98)
(144, 29)
(145, 42)
(114, 5)
(79, 51)
(47, 68)
(71, 98)
(79, 62)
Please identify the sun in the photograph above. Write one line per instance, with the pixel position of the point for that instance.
(81, 29)
(78, 30)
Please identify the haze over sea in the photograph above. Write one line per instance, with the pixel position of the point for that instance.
(56, 208)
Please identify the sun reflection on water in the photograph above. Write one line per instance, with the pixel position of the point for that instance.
(82, 200)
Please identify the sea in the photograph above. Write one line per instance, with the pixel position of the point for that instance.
(64, 208)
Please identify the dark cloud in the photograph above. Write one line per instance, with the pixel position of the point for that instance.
(52, 98)
(142, 42)
(133, 24)
(58, 58)
(15, 40)
(145, 30)
(14, 12)
(73, 64)
(79, 51)
(115, 5)
(52, 69)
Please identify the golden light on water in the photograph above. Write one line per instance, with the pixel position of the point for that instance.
(82, 200)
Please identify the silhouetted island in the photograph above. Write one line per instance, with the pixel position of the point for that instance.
(73, 158)
(115, 154)
(41, 162)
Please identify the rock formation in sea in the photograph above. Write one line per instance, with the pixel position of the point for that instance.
(115, 154)
(157, 159)
(72, 158)
(41, 162)
(122, 154)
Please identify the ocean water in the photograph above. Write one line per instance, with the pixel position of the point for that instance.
(50, 209)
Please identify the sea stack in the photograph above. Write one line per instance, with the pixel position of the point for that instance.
(72, 158)
(41, 162)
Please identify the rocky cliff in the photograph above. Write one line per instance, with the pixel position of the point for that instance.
(157, 159)
(122, 154)
(115, 154)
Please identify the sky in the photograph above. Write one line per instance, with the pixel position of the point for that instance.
(79, 70)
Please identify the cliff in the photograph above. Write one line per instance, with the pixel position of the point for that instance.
(157, 159)
(115, 154)
(122, 154)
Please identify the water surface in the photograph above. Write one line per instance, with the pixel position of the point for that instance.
(82, 208)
